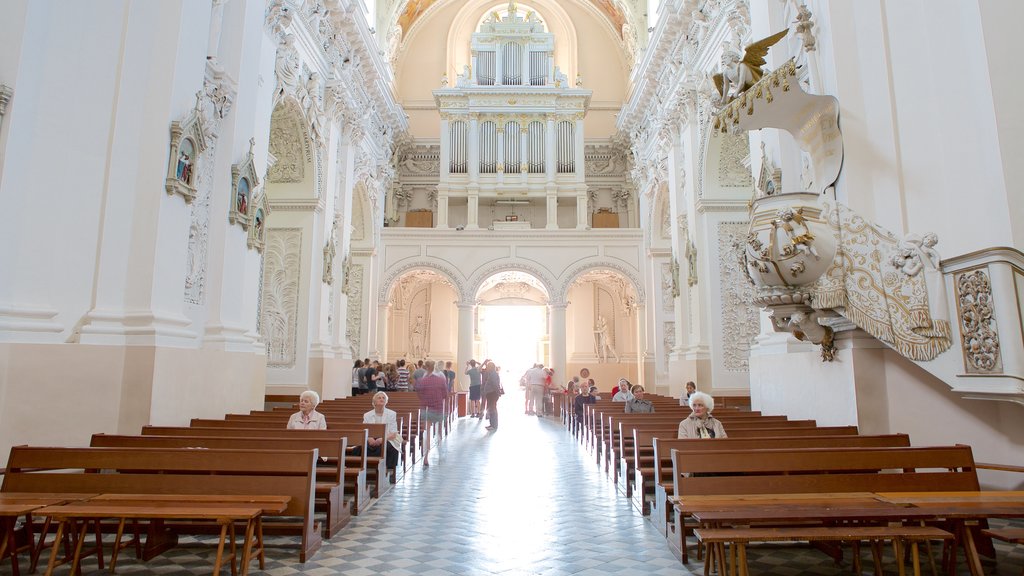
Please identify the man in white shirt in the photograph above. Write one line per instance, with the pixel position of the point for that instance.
(535, 378)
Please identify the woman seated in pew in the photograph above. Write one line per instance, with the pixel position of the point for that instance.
(637, 404)
(383, 415)
(622, 391)
(700, 423)
(307, 418)
(583, 398)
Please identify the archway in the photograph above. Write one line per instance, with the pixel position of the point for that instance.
(603, 331)
(512, 325)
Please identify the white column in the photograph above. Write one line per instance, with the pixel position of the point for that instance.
(442, 209)
(578, 151)
(552, 207)
(473, 210)
(523, 141)
(557, 338)
(498, 67)
(473, 148)
(382, 332)
(473, 68)
(465, 345)
(582, 217)
(446, 148)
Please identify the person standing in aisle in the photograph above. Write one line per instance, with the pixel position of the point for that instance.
(491, 389)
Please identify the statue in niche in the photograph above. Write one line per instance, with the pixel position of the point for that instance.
(417, 337)
(329, 252)
(691, 263)
(603, 340)
(287, 67)
(738, 74)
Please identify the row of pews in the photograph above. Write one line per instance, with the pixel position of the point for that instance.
(780, 480)
(243, 474)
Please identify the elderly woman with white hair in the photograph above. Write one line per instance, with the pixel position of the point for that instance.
(700, 423)
(307, 418)
(382, 415)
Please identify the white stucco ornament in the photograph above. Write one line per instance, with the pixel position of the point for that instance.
(789, 243)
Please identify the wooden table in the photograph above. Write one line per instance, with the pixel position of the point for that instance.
(16, 504)
(167, 507)
(964, 510)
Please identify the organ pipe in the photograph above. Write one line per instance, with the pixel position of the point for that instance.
(538, 68)
(535, 134)
(511, 64)
(512, 157)
(566, 147)
(457, 136)
(488, 148)
(485, 70)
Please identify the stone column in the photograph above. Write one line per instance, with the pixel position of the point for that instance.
(465, 343)
(442, 209)
(446, 151)
(556, 310)
(473, 148)
(381, 352)
(550, 156)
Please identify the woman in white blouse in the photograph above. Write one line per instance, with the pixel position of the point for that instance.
(307, 418)
(382, 415)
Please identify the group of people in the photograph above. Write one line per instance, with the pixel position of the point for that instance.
(369, 376)
(484, 390)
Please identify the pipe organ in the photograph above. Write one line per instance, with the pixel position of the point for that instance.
(513, 104)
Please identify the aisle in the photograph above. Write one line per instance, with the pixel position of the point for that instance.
(523, 500)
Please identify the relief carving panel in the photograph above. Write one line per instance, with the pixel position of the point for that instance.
(280, 295)
(740, 319)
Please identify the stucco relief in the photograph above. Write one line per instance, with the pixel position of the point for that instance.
(668, 300)
(399, 273)
(740, 319)
(731, 171)
(573, 274)
(287, 139)
(281, 274)
(979, 335)
(476, 284)
(216, 99)
(353, 329)
(668, 342)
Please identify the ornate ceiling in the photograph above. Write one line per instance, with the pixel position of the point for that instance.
(414, 9)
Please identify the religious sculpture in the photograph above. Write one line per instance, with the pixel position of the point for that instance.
(804, 27)
(738, 74)
(287, 68)
(603, 340)
(417, 338)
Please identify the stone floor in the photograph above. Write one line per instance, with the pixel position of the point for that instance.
(526, 499)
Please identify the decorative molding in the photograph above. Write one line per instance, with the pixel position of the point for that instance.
(280, 307)
(396, 273)
(289, 144)
(704, 205)
(978, 332)
(732, 171)
(6, 94)
(741, 320)
(188, 141)
(297, 205)
(572, 274)
(668, 342)
(354, 324)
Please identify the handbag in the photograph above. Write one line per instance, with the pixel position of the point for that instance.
(501, 390)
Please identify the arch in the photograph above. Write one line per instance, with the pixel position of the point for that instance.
(584, 266)
(439, 266)
(291, 144)
(477, 280)
(556, 19)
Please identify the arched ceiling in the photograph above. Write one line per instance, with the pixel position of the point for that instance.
(414, 9)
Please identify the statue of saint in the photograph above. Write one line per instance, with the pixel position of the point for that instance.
(604, 343)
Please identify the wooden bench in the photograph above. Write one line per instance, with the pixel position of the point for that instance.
(355, 471)
(290, 473)
(815, 470)
(716, 539)
(330, 489)
(654, 474)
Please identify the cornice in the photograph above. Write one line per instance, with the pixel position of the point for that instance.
(297, 205)
(704, 205)
(538, 236)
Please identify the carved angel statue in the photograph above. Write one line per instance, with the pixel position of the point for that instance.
(739, 74)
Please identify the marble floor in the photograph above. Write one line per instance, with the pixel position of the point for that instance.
(523, 500)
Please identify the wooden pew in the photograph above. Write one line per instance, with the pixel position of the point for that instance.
(655, 475)
(330, 488)
(815, 470)
(289, 473)
(355, 474)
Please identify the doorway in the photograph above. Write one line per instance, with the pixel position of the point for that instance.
(514, 337)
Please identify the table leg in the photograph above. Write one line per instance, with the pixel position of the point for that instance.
(99, 545)
(220, 549)
(9, 545)
(56, 545)
(247, 548)
(876, 555)
(855, 553)
(38, 548)
(117, 545)
(971, 553)
(898, 550)
(234, 551)
(914, 557)
(77, 560)
(732, 559)
(743, 559)
(709, 557)
(259, 540)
